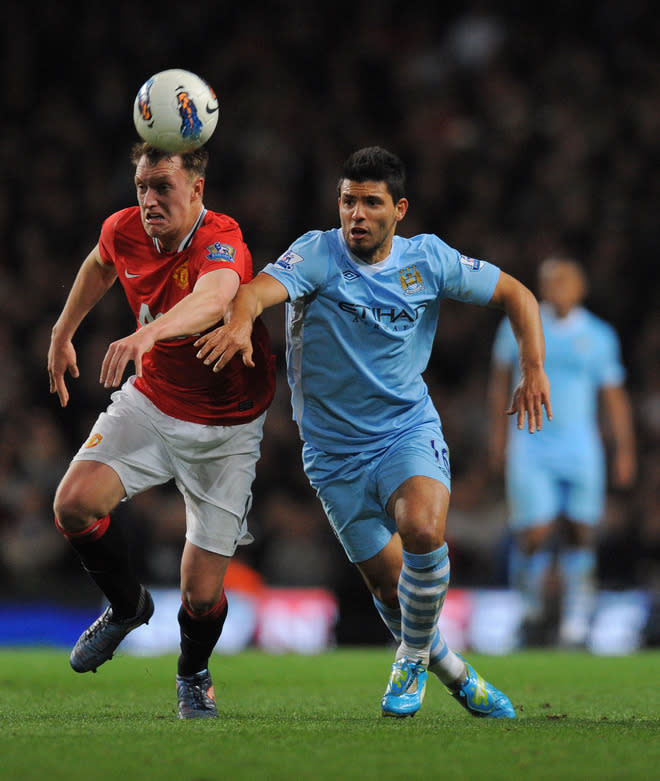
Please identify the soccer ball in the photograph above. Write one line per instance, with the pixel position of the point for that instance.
(176, 111)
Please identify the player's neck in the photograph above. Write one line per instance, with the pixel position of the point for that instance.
(183, 238)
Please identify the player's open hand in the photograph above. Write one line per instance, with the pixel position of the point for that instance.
(218, 347)
(530, 397)
(61, 358)
(121, 353)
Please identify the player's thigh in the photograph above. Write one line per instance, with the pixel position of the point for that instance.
(89, 490)
(533, 492)
(420, 452)
(127, 438)
(202, 577)
(348, 491)
(414, 484)
(419, 500)
(214, 473)
(419, 507)
(585, 495)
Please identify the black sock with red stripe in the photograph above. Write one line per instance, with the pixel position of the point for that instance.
(104, 554)
(199, 635)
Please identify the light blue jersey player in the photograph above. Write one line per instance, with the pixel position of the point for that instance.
(556, 482)
(360, 390)
(362, 311)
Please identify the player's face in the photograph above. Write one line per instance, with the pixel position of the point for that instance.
(562, 287)
(369, 217)
(169, 199)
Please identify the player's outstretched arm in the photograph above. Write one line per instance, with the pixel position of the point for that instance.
(202, 308)
(532, 393)
(94, 278)
(618, 413)
(499, 394)
(218, 347)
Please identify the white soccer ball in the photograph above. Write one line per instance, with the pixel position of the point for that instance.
(176, 111)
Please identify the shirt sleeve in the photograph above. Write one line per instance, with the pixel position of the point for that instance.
(465, 279)
(106, 240)
(229, 251)
(304, 267)
(610, 366)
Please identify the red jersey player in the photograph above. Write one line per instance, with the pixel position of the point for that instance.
(180, 265)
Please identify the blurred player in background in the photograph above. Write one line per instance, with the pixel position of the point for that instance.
(362, 311)
(556, 481)
(180, 265)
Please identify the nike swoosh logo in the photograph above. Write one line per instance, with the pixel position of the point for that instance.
(212, 109)
(129, 275)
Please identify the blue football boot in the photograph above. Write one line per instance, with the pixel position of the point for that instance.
(99, 641)
(196, 696)
(405, 689)
(482, 699)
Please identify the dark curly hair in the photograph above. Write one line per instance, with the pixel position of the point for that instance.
(373, 163)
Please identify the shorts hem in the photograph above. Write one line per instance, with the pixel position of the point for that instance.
(223, 548)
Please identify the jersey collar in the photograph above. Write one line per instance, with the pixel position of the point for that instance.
(370, 268)
(185, 243)
(574, 316)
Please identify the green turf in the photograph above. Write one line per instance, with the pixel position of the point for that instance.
(317, 717)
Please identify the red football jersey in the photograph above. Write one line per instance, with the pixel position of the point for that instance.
(177, 382)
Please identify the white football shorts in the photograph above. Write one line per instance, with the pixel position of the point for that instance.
(212, 466)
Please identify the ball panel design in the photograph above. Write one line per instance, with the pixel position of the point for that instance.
(175, 110)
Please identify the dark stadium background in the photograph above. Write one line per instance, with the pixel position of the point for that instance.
(525, 132)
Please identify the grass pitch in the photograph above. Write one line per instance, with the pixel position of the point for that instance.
(318, 717)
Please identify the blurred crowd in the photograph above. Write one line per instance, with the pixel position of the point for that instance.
(525, 134)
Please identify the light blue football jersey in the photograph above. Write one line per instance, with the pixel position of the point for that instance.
(359, 335)
(561, 469)
(582, 354)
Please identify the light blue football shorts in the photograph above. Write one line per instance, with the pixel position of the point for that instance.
(551, 475)
(354, 489)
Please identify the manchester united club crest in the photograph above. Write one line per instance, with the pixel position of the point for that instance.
(180, 275)
(93, 440)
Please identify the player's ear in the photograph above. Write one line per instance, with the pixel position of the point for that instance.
(400, 209)
(198, 188)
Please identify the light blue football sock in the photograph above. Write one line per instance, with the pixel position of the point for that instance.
(578, 570)
(528, 574)
(446, 665)
(391, 618)
(422, 589)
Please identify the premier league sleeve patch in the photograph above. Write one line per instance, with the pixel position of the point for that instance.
(222, 252)
(472, 263)
(288, 260)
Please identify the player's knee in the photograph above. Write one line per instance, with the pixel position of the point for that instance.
(198, 607)
(388, 593)
(202, 599)
(421, 539)
(73, 509)
(534, 539)
(580, 534)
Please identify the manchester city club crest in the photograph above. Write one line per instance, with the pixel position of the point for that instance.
(411, 280)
